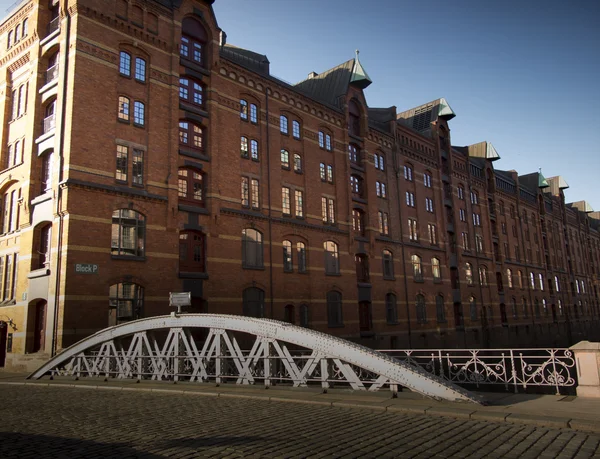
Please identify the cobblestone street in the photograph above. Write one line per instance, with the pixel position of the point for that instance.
(68, 422)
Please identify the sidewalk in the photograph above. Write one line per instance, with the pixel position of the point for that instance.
(555, 411)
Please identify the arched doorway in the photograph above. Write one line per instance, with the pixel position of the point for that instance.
(3, 338)
(38, 313)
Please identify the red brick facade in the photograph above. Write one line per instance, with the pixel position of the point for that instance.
(149, 205)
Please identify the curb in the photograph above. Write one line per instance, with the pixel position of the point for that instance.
(553, 422)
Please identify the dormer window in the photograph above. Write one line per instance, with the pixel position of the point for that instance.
(354, 118)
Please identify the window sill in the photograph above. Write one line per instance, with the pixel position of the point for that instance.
(194, 109)
(49, 37)
(45, 136)
(123, 121)
(192, 154)
(254, 268)
(356, 166)
(419, 281)
(335, 326)
(192, 275)
(355, 137)
(438, 281)
(139, 126)
(38, 273)
(128, 257)
(389, 278)
(10, 302)
(188, 63)
(358, 199)
(48, 86)
(42, 198)
(193, 209)
(333, 274)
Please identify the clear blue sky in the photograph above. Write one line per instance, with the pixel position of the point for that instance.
(523, 75)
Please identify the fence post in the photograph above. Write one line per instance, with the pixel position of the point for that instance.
(587, 361)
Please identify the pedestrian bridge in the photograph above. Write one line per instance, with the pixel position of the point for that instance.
(206, 347)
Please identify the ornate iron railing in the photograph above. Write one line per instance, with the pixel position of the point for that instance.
(512, 368)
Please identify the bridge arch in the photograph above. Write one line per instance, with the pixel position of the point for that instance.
(163, 348)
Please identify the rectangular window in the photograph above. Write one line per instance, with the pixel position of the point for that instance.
(330, 173)
(321, 139)
(8, 278)
(13, 211)
(253, 113)
(410, 199)
(383, 223)
(245, 192)
(324, 209)
(254, 150)
(121, 170)
(123, 108)
(465, 241)
(299, 202)
(285, 201)
(323, 172)
(328, 142)
(408, 173)
(413, 234)
(15, 104)
(137, 167)
(255, 197)
(328, 210)
(463, 215)
(125, 64)
(331, 210)
(479, 244)
(1, 276)
(429, 205)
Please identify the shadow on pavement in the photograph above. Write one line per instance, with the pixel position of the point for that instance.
(25, 445)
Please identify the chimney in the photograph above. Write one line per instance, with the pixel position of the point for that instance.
(312, 75)
(223, 37)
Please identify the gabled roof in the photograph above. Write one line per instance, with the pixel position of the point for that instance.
(484, 150)
(330, 86)
(530, 182)
(255, 62)
(421, 117)
(582, 206)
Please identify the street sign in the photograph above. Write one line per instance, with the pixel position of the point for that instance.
(180, 299)
(86, 268)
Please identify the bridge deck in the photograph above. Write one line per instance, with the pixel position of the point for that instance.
(541, 410)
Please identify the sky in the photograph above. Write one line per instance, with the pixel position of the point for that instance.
(523, 75)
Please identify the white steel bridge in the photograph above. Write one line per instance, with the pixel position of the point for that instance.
(205, 347)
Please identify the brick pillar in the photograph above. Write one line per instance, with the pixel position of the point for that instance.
(587, 357)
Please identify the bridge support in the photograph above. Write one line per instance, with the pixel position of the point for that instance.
(587, 355)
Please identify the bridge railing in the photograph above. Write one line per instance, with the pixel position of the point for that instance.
(512, 368)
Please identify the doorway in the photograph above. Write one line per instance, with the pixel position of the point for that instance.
(3, 339)
(364, 316)
(39, 332)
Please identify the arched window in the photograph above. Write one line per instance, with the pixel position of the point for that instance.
(193, 40)
(254, 150)
(253, 302)
(461, 192)
(538, 313)
(356, 185)
(520, 277)
(139, 113)
(334, 309)
(128, 233)
(25, 25)
(125, 302)
(121, 8)
(152, 20)
(140, 69)
(125, 63)
(560, 308)
(9, 42)
(296, 129)
(362, 267)
(46, 175)
(469, 273)
(379, 160)
(137, 16)
(545, 306)
(285, 159)
(541, 280)
(191, 135)
(532, 280)
(503, 316)
(509, 278)
(501, 205)
(388, 264)
(354, 153)
(52, 68)
(515, 309)
(17, 33)
(244, 109)
(332, 265)
(49, 116)
(304, 319)
(283, 124)
(191, 186)
(289, 314)
(417, 268)
(435, 269)
(354, 127)
(124, 112)
(192, 251)
(244, 147)
(191, 91)
(408, 172)
(440, 309)
(358, 221)
(391, 310)
(252, 248)
(287, 256)
(483, 279)
(297, 163)
(301, 257)
(421, 309)
(473, 308)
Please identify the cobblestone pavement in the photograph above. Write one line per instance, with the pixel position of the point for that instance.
(69, 422)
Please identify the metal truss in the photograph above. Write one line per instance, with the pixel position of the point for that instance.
(171, 348)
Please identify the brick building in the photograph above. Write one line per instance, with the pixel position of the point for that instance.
(143, 155)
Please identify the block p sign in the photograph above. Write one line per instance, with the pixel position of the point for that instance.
(86, 268)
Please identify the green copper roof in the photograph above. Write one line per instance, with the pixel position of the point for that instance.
(491, 152)
(359, 75)
(542, 182)
(444, 110)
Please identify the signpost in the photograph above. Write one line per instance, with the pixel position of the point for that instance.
(179, 299)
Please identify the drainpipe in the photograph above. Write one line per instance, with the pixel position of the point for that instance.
(269, 204)
(59, 190)
(398, 196)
